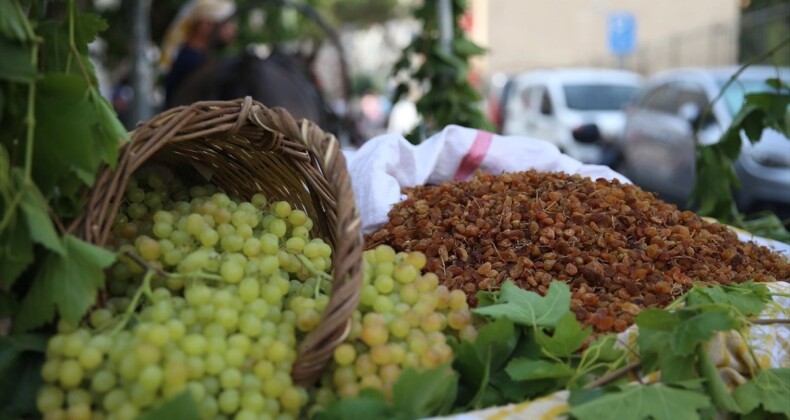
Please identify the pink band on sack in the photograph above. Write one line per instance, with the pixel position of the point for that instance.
(475, 156)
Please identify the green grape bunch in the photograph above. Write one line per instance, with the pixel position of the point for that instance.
(403, 321)
(211, 295)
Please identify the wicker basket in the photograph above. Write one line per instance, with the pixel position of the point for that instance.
(245, 148)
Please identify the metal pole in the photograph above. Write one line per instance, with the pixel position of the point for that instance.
(142, 78)
(445, 13)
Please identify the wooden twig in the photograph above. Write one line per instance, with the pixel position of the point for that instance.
(617, 374)
(769, 321)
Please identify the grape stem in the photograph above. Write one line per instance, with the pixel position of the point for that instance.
(619, 373)
(139, 260)
(769, 321)
(127, 315)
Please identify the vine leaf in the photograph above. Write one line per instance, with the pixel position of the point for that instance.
(427, 393)
(748, 298)
(16, 253)
(567, 338)
(522, 369)
(182, 406)
(15, 65)
(68, 282)
(34, 207)
(11, 23)
(529, 308)
(73, 139)
(770, 389)
(636, 402)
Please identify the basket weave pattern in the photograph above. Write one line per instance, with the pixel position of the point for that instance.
(245, 148)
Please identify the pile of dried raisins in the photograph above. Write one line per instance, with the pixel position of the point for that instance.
(619, 248)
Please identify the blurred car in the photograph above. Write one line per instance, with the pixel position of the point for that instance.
(659, 151)
(550, 104)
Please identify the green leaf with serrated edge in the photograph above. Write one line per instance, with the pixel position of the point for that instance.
(492, 348)
(568, 336)
(512, 391)
(369, 404)
(39, 224)
(656, 352)
(182, 406)
(700, 328)
(425, 393)
(529, 308)
(603, 349)
(584, 395)
(637, 402)
(748, 298)
(68, 282)
(16, 253)
(769, 389)
(657, 319)
(67, 143)
(16, 64)
(111, 132)
(527, 369)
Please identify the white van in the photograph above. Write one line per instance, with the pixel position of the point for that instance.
(550, 104)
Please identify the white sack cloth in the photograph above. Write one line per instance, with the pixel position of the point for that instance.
(387, 163)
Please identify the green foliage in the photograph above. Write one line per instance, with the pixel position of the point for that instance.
(21, 358)
(449, 98)
(182, 406)
(56, 131)
(415, 395)
(716, 176)
(529, 308)
(769, 390)
(637, 402)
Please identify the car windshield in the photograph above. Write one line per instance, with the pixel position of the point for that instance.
(598, 97)
(734, 95)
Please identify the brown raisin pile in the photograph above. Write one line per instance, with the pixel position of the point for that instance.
(619, 248)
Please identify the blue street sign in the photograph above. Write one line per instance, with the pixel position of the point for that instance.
(621, 31)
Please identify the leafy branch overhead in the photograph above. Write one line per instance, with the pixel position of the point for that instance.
(716, 175)
(56, 131)
(448, 96)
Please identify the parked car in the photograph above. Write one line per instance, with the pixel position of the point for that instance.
(659, 150)
(549, 104)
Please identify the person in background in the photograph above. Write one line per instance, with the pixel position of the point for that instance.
(201, 28)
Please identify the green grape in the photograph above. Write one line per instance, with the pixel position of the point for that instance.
(345, 354)
(232, 271)
(294, 245)
(301, 232)
(151, 378)
(281, 209)
(137, 211)
(90, 358)
(49, 398)
(70, 373)
(103, 381)
(278, 228)
(232, 243)
(229, 401)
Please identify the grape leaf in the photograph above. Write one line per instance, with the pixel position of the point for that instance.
(39, 224)
(749, 298)
(182, 406)
(700, 328)
(637, 402)
(21, 358)
(529, 308)
(476, 361)
(655, 349)
(527, 369)
(67, 282)
(567, 338)
(16, 253)
(369, 404)
(603, 349)
(770, 389)
(16, 65)
(427, 393)
(68, 142)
